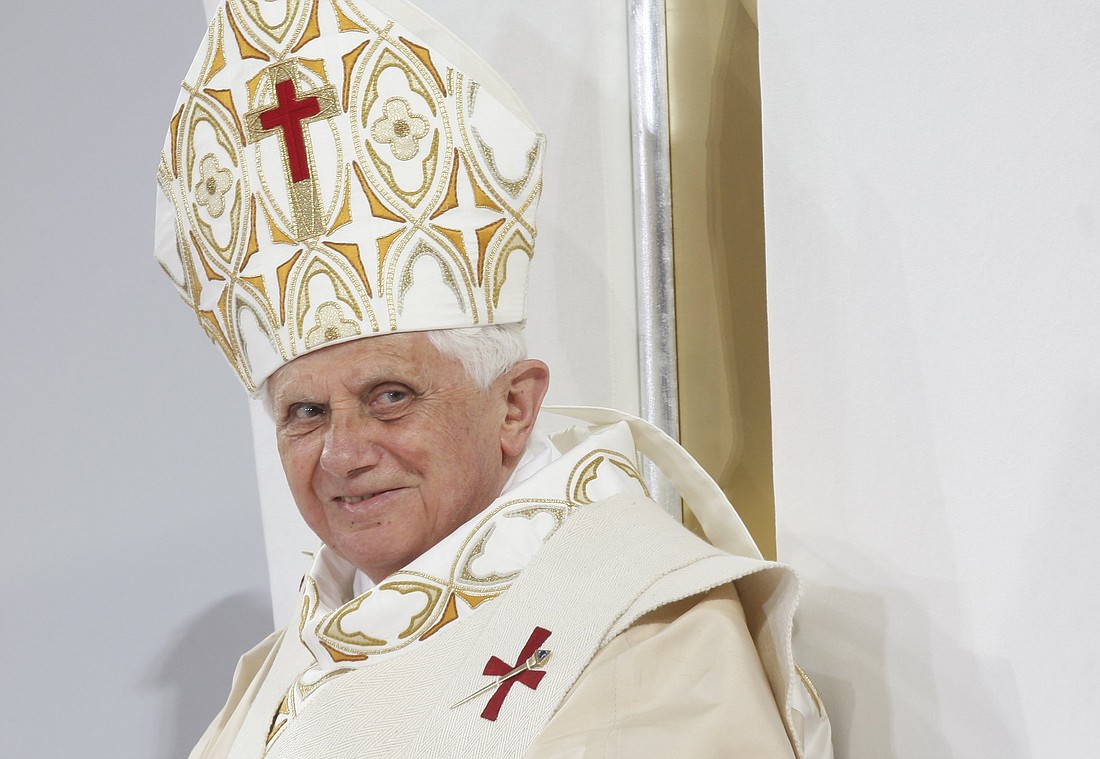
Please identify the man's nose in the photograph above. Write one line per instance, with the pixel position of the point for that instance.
(350, 444)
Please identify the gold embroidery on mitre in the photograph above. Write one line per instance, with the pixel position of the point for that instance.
(278, 236)
(378, 209)
(343, 287)
(217, 63)
(349, 59)
(316, 65)
(312, 30)
(211, 275)
(225, 97)
(482, 199)
(283, 273)
(331, 325)
(343, 22)
(252, 86)
(244, 47)
(450, 198)
(213, 184)
(253, 244)
(350, 251)
(276, 33)
(204, 117)
(193, 286)
(445, 273)
(384, 245)
(455, 237)
(265, 322)
(242, 362)
(223, 309)
(425, 56)
(174, 136)
(484, 237)
(500, 263)
(257, 283)
(514, 187)
(386, 59)
(343, 218)
(404, 106)
(400, 128)
(295, 106)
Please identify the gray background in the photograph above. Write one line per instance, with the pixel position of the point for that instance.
(132, 553)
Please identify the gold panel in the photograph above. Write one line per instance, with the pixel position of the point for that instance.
(246, 48)
(343, 22)
(450, 199)
(174, 129)
(349, 60)
(312, 32)
(425, 57)
(225, 97)
(378, 209)
(718, 236)
(350, 251)
(283, 272)
(484, 237)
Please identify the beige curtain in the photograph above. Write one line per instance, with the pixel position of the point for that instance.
(718, 234)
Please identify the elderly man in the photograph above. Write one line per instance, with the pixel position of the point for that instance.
(347, 202)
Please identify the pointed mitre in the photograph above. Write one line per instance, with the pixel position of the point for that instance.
(334, 170)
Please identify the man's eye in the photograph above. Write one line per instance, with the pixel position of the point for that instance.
(306, 411)
(390, 397)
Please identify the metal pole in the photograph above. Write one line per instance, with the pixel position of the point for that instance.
(653, 230)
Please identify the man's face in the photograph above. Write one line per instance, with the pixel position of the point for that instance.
(388, 446)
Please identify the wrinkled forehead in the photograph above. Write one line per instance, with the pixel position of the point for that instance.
(358, 364)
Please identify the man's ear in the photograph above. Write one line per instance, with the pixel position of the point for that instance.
(527, 383)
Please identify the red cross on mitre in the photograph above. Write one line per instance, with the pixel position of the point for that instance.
(523, 671)
(289, 118)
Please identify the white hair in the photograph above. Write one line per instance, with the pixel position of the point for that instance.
(484, 352)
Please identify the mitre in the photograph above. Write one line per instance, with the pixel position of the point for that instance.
(336, 169)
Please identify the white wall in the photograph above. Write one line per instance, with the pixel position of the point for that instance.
(932, 189)
(130, 547)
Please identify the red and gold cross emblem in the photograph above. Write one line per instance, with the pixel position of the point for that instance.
(289, 118)
(531, 658)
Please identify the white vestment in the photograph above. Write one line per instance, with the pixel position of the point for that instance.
(659, 643)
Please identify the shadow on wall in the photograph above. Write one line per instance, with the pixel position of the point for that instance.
(896, 635)
(197, 666)
(897, 683)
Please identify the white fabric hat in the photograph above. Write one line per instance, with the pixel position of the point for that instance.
(336, 169)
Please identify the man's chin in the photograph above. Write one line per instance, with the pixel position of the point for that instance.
(380, 556)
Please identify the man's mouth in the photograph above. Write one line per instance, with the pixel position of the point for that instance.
(355, 498)
(350, 500)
